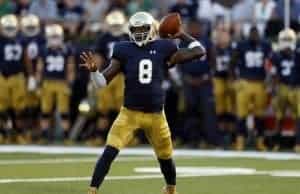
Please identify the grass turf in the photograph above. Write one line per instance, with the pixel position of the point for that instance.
(245, 184)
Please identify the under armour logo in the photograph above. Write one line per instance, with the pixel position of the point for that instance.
(152, 52)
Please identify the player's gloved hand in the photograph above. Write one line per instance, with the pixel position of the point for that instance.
(31, 84)
(89, 60)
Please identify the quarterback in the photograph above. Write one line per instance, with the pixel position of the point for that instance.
(144, 62)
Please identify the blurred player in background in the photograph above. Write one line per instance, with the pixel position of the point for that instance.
(109, 99)
(296, 95)
(32, 41)
(144, 62)
(223, 84)
(283, 68)
(201, 121)
(12, 78)
(249, 59)
(55, 72)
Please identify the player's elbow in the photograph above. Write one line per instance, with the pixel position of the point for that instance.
(98, 79)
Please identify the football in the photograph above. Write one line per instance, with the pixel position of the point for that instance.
(169, 25)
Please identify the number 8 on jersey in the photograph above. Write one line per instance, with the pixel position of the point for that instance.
(145, 71)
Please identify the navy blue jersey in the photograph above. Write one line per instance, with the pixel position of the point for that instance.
(55, 62)
(11, 56)
(252, 59)
(32, 47)
(198, 67)
(284, 65)
(105, 44)
(223, 57)
(144, 69)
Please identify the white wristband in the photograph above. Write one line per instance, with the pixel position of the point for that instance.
(194, 44)
(98, 79)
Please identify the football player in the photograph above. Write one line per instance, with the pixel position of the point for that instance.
(12, 79)
(249, 61)
(283, 64)
(200, 124)
(55, 72)
(32, 41)
(109, 100)
(223, 90)
(143, 61)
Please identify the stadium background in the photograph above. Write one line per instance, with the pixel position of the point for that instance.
(84, 24)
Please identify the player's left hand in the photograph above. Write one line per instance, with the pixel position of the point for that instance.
(89, 60)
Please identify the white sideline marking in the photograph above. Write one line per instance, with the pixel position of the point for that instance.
(200, 171)
(286, 173)
(148, 152)
(77, 179)
(183, 172)
(220, 171)
(69, 160)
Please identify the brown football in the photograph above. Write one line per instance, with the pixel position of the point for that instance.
(169, 25)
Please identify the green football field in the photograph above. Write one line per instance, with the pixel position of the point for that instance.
(28, 173)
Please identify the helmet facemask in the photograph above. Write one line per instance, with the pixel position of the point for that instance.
(31, 30)
(54, 41)
(141, 35)
(9, 31)
(287, 43)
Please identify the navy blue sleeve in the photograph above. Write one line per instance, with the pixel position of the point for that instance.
(170, 48)
(100, 46)
(119, 52)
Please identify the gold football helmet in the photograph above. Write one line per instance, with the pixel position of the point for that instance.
(115, 22)
(9, 25)
(30, 25)
(54, 35)
(142, 28)
(287, 38)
